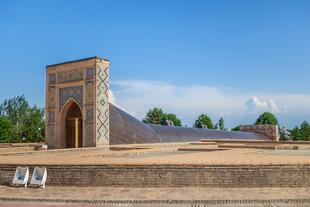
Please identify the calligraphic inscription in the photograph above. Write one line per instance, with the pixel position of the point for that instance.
(70, 76)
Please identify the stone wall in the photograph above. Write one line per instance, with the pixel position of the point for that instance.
(172, 176)
(270, 131)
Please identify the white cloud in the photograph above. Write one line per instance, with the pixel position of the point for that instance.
(112, 98)
(257, 106)
(187, 102)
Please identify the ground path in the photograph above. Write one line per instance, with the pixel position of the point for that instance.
(157, 154)
(115, 196)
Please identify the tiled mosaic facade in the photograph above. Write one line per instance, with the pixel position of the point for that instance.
(89, 106)
(51, 115)
(84, 82)
(66, 93)
(102, 103)
(270, 131)
(52, 97)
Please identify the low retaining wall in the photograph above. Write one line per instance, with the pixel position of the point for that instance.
(172, 176)
(271, 131)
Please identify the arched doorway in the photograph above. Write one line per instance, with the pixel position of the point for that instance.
(74, 127)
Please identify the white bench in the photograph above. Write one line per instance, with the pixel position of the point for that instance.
(21, 176)
(39, 176)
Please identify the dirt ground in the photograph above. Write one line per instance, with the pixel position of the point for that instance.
(157, 154)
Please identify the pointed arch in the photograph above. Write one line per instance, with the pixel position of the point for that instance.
(69, 103)
(67, 124)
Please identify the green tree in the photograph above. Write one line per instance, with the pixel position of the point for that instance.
(158, 116)
(296, 135)
(203, 119)
(27, 122)
(301, 133)
(33, 125)
(154, 116)
(237, 128)
(221, 124)
(6, 129)
(305, 131)
(266, 118)
(171, 117)
(15, 109)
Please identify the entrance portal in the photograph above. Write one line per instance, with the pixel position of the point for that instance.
(77, 104)
(74, 127)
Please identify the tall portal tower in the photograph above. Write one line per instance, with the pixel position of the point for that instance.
(77, 103)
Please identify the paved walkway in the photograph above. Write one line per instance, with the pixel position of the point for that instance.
(163, 196)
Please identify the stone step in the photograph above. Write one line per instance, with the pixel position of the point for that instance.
(264, 146)
(254, 141)
(196, 149)
(203, 143)
(270, 147)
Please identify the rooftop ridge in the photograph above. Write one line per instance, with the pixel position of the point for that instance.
(72, 61)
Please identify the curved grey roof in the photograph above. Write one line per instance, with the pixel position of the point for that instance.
(126, 129)
(172, 133)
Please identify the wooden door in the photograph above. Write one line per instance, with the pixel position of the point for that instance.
(80, 133)
(71, 133)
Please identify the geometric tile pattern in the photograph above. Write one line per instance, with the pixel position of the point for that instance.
(52, 98)
(51, 123)
(89, 107)
(89, 135)
(51, 135)
(51, 117)
(89, 93)
(89, 127)
(102, 105)
(75, 92)
(89, 73)
(89, 115)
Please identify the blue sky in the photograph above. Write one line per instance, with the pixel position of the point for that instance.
(225, 58)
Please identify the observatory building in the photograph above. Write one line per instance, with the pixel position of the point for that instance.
(78, 113)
